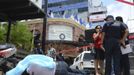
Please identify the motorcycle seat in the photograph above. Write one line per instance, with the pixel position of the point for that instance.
(3, 47)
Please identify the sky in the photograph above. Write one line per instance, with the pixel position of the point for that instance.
(116, 8)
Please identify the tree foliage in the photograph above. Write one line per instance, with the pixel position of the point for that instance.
(20, 35)
(2, 34)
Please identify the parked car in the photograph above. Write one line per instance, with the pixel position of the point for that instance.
(84, 61)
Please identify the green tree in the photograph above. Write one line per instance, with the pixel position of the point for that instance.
(2, 33)
(20, 35)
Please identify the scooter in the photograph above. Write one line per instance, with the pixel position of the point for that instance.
(7, 58)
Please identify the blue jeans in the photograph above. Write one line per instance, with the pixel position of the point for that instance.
(112, 47)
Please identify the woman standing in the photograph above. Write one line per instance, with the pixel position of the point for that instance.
(99, 50)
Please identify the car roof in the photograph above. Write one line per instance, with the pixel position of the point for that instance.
(86, 52)
(83, 53)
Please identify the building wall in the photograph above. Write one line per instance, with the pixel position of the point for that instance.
(77, 30)
(38, 24)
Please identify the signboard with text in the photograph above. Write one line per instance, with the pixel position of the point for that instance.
(130, 37)
(97, 17)
(60, 32)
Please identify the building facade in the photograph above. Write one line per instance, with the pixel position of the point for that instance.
(62, 33)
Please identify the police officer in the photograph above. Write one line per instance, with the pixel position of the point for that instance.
(125, 65)
(111, 38)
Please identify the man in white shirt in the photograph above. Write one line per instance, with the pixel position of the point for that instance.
(52, 52)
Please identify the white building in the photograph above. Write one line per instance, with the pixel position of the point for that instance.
(96, 13)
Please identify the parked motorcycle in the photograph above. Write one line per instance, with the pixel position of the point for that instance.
(7, 58)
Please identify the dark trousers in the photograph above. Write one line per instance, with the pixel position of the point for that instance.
(38, 51)
(125, 65)
(113, 52)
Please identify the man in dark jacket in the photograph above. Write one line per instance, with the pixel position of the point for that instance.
(125, 65)
(112, 40)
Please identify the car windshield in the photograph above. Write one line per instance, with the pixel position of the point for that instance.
(88, 57)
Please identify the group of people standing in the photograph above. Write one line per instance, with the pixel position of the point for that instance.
(107, 42)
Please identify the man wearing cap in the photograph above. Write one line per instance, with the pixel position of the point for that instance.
(111, 39)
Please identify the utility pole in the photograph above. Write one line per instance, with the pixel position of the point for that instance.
(44, 25)
(8, 31)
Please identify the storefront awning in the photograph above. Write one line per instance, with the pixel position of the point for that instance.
(19, 10)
